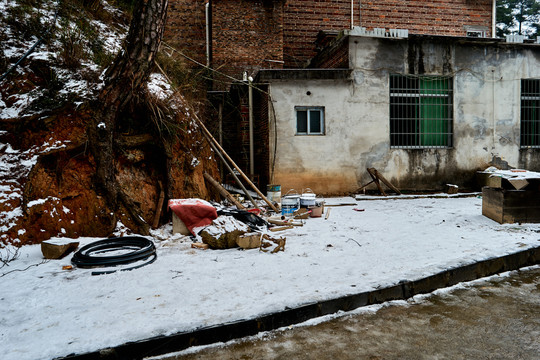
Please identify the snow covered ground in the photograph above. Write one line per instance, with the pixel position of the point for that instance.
(49, 312)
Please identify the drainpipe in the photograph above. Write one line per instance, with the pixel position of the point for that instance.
(251, 150)
(207, 14)
(352, 14)
(494, 20)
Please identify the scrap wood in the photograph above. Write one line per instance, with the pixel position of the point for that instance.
(301, 213)
(159, 206)
(231, 171)
(227, 195)
(376, 176)
(199, 245)
(281, 228)
(340, 204)
(249, 241)
(211, 139)
(327, 214)
(386, 182)
(275, 221)
(280, 242)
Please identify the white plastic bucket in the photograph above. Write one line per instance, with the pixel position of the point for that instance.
(307, 198)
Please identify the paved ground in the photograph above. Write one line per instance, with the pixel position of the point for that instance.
(495, 319)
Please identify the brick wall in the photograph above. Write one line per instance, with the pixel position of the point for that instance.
(302, 21)
(246, 34)
(186, 29)
(333, 56)
(450, 17)
(304, 18)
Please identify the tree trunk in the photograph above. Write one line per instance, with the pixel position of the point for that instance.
(124, 80)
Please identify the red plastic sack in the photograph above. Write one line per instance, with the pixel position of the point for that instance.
(193, 212)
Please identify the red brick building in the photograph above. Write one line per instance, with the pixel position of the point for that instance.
(247, 35)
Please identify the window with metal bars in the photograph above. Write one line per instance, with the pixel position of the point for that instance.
(530, 113)
(421, 113)
(309, 120)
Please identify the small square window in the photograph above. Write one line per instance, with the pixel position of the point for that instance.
(309, 120)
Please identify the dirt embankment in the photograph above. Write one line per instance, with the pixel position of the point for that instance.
(47, 186)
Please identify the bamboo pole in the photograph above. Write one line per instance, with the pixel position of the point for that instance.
(235, 166)
(231, 171)
(227, 195)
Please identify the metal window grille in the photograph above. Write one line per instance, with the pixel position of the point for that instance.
(421, 111)
(530, 113)
(309, 120)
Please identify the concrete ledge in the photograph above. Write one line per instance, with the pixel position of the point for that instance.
(303, 74)
(403, 290)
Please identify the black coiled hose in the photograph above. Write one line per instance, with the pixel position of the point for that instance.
(92, 255)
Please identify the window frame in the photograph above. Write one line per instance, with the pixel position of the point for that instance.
(529, 121)
(421, 111)
(308, 110)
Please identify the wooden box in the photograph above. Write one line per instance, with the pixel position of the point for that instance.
(511, 206)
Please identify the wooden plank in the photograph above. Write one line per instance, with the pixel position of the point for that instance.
(518, 184)
(211, 139)
(281, 228)
(371, 172)
(492, 204)
(227, 195)
(386, 182)
(511, 206)
(159, 206)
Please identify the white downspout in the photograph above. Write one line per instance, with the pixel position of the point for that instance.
(207, 14)
(494, 20)
(352, 14)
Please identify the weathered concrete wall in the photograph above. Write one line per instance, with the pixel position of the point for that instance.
(486, 107)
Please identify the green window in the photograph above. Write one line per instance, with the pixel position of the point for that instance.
(421, 113)
(309, 120)
(530, 113)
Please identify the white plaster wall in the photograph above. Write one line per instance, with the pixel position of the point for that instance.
(486, 117)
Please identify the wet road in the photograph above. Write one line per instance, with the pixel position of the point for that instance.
(497, 318)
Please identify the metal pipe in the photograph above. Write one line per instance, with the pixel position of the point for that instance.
(352, 14)
(207, 15)
(251, 147)
(494, 20)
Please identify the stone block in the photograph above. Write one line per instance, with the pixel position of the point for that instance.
(58, 248)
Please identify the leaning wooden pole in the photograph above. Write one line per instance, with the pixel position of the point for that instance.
(213, 140)
(223, 191)
(231, 171)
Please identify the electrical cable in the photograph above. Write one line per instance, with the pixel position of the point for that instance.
(91, 255)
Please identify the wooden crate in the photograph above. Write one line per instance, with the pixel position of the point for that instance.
(511, 206)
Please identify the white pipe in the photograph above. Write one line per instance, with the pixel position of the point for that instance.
(352, 14)
(494, 20)
(207, 14)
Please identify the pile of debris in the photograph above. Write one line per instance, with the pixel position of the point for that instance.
(215, 226)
